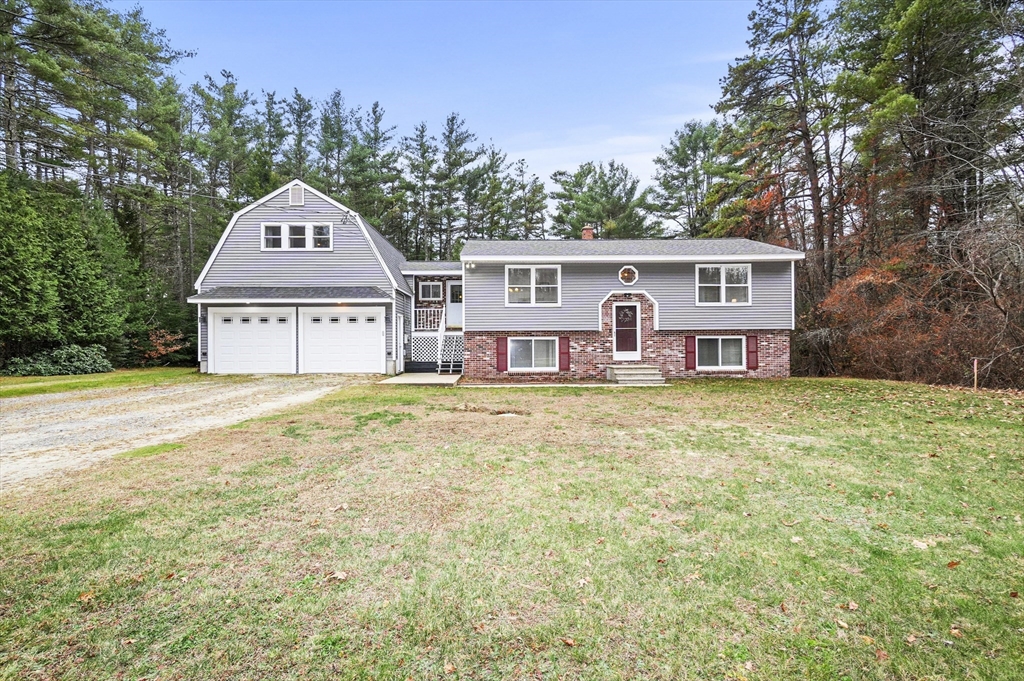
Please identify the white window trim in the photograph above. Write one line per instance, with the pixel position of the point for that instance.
(533, 285)
(531, 370)
(309, 236)
(302, 195)
(742, 366)
(438, 284)
(629, 267)
(721, 285)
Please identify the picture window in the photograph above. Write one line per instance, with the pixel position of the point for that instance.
(532, 353)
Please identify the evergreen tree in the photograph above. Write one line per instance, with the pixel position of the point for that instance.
(609, 197)
(686, 171)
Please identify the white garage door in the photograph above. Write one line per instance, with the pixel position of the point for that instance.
(253, 340)
(342, 340)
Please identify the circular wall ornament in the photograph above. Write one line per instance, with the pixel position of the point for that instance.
(628, 275)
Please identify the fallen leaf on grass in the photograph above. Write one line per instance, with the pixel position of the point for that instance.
(86, 596)
(783, 608)
(881, 655)
(449, 668)
(796, 540)
(919, 545)
(340, 576)
(956, 632)
(852, 605)
(911, 639)
(867, 639)
(569, 642)
(952, 564)
(1014, 594)
(842, 624)
(795, 522)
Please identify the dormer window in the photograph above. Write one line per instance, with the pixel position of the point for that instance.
(296, 196)
(298, 236)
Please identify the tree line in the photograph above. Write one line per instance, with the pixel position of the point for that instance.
(883, 138)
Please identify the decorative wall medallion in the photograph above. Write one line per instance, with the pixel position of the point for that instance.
(628, 275)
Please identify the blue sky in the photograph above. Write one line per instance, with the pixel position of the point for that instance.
(554, 83)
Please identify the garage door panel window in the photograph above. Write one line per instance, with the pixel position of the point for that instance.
(264, 320)
(335, 320)
(282, 320)
(226, 320)
(532, 354)
(295, 236)
(720, 353)
(245, 320)
(371, 320)
(316, 320)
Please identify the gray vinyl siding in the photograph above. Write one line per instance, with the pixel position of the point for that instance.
(240, 261)
(403, 306)
(584, 286)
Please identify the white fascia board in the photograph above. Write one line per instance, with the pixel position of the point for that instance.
(631, 258)
(432, 273)
(234, 218)
(290, 301)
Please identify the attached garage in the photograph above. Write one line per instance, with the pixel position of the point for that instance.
(342, 340)
(252, 340)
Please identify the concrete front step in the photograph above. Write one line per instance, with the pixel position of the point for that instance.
(635, 374)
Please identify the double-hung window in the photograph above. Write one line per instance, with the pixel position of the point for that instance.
(533, 354)
(538, 285)
(298, 236)
(720, 353)
(430, 290)
(723, 284)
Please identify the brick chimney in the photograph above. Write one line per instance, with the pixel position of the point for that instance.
(588, 231)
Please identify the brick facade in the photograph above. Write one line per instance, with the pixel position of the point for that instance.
(591, 351)
(444, 289)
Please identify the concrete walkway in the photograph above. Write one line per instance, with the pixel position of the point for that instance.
(425, 378)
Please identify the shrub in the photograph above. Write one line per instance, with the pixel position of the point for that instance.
(70, 359)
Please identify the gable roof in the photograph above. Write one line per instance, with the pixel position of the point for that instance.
(597, 250)
(387, 255)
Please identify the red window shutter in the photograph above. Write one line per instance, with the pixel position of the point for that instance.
(502, 354)
(751, 352)
(563, 353)
(691, 353)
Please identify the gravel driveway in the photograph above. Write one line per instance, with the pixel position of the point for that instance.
(44, 434)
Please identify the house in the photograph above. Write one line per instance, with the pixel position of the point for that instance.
(298, 283)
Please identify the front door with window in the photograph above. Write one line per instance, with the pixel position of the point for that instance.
(626, 332)
(453, 313)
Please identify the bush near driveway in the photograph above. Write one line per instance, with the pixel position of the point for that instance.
(806, 529)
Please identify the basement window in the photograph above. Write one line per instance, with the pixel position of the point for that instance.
(532, 354)
(720, 353)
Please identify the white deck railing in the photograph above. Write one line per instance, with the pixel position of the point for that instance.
(428, 318)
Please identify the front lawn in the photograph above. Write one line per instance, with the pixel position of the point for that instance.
(21, 386)
(714, 529)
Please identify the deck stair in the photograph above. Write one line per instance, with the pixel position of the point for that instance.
(635, 374)
(449, 349)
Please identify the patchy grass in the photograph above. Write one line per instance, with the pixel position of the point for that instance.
(717, 529)
(21, 386)
(150, 450)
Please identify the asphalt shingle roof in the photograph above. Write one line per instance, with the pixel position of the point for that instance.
(423, 266)
(623, 247)
(289, 293)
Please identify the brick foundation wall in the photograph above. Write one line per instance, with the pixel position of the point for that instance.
(590, 352)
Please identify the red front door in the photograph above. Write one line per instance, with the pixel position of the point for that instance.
(627, 328)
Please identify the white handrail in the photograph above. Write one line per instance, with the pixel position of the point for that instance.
(440, 341)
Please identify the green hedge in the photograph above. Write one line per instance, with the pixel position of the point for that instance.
(70, 359)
